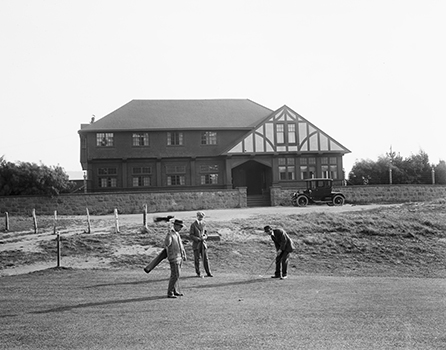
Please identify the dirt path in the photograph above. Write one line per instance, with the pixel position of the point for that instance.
(244, 213)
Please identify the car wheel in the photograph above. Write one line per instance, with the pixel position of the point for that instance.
(302, 201)
(294, 202)
(338, 200)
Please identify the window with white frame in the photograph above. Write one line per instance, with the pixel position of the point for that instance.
(329, 167)
(175, 138)
(140, 139)
(209, 138)
(307, 168)
(141, 176)
(209, 174)
(291, 133)
(141, 181)
(286, 168)
(107, 177)
(280, 133)
(176, 180)
(176, 175)
(104, 139)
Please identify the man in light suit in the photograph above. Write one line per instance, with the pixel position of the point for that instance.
(198, 235)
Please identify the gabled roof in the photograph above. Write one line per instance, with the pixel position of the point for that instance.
(182, 114)
(303, 137)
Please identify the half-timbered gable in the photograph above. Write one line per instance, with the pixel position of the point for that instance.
(285, 131)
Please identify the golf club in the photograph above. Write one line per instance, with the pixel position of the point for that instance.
(272, 262)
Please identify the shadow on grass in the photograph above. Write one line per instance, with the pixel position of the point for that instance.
(102, 303)
(215, 285)
(133, 300)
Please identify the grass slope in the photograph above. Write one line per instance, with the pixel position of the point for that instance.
(404, 240)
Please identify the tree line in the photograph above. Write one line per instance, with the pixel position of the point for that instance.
(393, 168)
(23, 178)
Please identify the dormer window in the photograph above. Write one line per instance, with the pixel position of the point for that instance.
(104, 139)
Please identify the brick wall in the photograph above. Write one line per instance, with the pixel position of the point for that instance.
(126, 203)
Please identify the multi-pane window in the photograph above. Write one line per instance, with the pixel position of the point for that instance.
(286, 168)
(291, 133)
(107, 182)
(141, 181)
(280, 133)
(104, 139)
(307, 168)
(107, 177)
(142, 170)
(209, 179)
(175, 169)
(176, 180)
(209, 174)
(176, 175)
(107, 171)
(140, 139)
(174, 138)
(141, 176)
(286, 133)
(329, 167)
(307, 172)
(209, 138)
(209, 168)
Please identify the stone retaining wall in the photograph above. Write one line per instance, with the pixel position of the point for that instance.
(132, 203)
(126, 203)
(374, 194)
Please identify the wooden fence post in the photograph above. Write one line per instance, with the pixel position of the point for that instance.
(58, 249)
(35, 221)
(116, 221)
(6, 222)
(57, 239)
(144, 218)
(55, 223)
(88, 221)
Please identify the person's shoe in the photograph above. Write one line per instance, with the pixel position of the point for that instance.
(283, 277)
(178, 294)
(199, 275)
(172, 296)
(274, 276)
(210, 275)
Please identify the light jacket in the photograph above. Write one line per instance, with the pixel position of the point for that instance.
(174, 247)
(198, 231)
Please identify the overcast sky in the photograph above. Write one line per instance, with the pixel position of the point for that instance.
(371, 74)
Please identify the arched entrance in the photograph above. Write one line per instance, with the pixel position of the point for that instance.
(257, 178)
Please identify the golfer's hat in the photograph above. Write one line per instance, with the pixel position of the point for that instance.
(267, 228)
(178, 222)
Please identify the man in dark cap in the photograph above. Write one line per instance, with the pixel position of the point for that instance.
(284, 246)
(175, 254)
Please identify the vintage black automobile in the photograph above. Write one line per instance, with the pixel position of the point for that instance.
(319, 191)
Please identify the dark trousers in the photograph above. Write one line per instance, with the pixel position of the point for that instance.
(282, 264)
(174, 278)
(204, 255)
